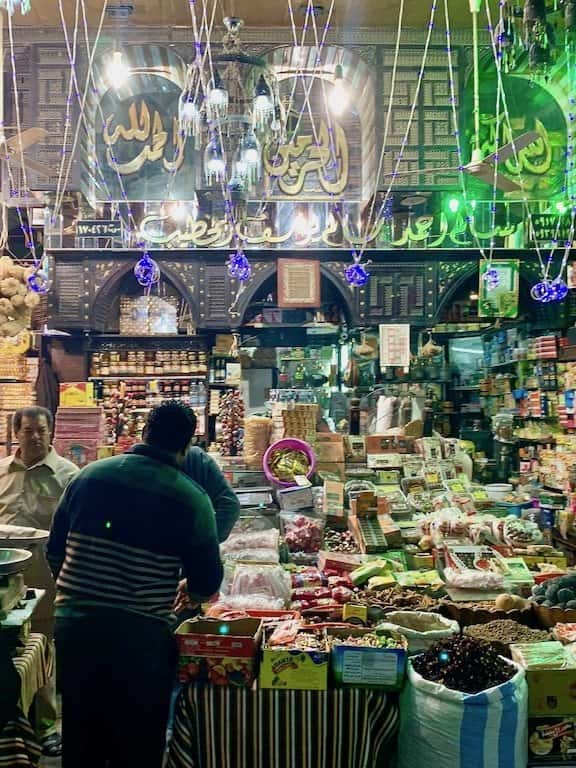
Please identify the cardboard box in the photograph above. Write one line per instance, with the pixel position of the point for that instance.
(338, 561)
(329, 448)
(333, 499)
(551, 692)
(219, 652)
(357, 667)
(294, 670)
(79, 394)
(552, 741)
(355, 446)
(294, 499)
(331, 471)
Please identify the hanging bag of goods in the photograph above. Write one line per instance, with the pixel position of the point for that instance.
(443, 726)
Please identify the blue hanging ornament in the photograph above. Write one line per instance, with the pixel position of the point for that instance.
(543, 292)
(356, 274)
(146, 271)
(38, 282)
(491, 278)
(559, 289)
(239, 267)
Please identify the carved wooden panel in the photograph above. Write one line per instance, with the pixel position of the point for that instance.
(400, 292)
(70, 297)
(216, 294)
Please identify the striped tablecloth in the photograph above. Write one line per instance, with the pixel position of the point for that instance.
(253, 728)
(34, 664)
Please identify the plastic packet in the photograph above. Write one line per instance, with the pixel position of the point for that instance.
(253, 556)
(262, 580)
(251, 540)
(302, 533)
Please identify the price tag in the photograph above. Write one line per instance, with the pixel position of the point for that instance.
(302, 481)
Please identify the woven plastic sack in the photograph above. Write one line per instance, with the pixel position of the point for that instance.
(420, 629)
(442, 727)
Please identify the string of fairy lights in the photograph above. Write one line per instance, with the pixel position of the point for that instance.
(551, 286)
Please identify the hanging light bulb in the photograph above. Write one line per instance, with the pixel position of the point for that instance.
(251, 155)
(339, 97)
(182, 211)
(189, 115)
(214, 162)
(218, 97)
(263, 108)
(117, 71)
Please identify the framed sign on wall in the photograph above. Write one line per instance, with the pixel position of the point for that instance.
(299, 283)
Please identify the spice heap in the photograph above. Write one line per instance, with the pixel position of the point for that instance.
(463, 664)
(507, 631)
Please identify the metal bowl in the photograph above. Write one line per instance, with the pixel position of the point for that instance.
(14, 561)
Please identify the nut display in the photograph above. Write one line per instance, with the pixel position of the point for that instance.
(339, 541)
(506, 631)
(394, 599)
(464, 664)
(231, 423)
(369, 640)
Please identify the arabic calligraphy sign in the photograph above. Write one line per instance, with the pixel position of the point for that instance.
(305, 165)
(141, 143)
(541, 164)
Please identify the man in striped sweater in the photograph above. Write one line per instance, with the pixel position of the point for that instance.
(121, 535)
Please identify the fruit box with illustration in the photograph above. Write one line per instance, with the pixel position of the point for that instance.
(551, 741)
(294, 669)
(219, 652)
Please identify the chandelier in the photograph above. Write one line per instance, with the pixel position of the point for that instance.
(232, 110)
(13, 5)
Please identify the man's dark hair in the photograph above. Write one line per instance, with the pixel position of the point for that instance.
(32, 412)
(170, 426)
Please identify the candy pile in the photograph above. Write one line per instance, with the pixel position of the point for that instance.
(463, 664)
(507, 631)
(303, 534)
(339, 541)
(285, 465)
(314, 589)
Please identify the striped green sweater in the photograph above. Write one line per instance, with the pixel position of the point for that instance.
(123, 531)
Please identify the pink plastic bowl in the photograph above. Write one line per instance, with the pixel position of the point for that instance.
(292, 444)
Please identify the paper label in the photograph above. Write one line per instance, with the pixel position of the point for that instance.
(366, 666)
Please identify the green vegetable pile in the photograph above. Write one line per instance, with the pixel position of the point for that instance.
(556, 593)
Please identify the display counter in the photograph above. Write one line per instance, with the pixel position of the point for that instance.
(255, 728)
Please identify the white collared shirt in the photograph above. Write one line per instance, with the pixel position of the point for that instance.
(29, 495)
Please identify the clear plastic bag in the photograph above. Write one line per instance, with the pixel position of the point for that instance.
(250, 540)
(262, 580)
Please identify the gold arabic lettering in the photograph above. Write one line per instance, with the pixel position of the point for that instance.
(292, 163)
(217, 233)
(143, 127)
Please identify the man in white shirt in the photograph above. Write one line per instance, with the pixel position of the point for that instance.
(31, 484)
